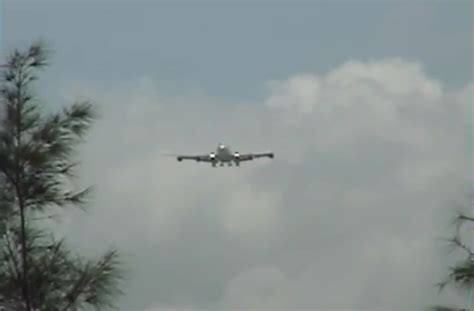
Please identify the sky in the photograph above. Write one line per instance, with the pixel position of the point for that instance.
(366, 105)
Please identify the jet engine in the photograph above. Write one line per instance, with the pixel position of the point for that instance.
(212, 156)
(237, 158)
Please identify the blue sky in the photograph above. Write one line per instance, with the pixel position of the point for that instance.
(366, 105)
(231, 49)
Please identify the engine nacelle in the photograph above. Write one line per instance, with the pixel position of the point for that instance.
(237, 158)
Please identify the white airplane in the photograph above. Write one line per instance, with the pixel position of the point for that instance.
(224, 155)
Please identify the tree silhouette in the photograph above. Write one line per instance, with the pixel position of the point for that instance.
(37, 271)
(461, 275)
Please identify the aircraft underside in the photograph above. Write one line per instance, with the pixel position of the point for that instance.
(223, 163)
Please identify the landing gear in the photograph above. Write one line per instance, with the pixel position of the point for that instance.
(222, 164)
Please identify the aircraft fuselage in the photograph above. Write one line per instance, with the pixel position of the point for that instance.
(224, 155)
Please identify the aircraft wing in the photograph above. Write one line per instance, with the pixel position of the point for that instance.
(198, 158)
(253, 156)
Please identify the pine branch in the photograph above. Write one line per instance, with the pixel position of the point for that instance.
(461, 274)
(98, 282)
(35, 169)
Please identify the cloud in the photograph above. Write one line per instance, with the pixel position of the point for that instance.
(254, 287)
(250, 212)
(369, 156)
(300, 93)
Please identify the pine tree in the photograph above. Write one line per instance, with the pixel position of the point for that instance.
(461, 275)
(38, 272)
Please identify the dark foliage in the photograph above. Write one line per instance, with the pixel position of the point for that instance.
(460, 275)
(38, 272)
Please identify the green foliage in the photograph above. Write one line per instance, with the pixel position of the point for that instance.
(60, 280)
(460, 275)
(36, 271)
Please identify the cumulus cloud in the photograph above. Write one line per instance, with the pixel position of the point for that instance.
(369, 157)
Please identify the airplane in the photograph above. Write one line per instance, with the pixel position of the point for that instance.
(224, 155)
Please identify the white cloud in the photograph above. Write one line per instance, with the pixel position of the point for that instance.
(346, 215)
(253, 288)
(396, 77)
(300, 93)
(249, 212)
